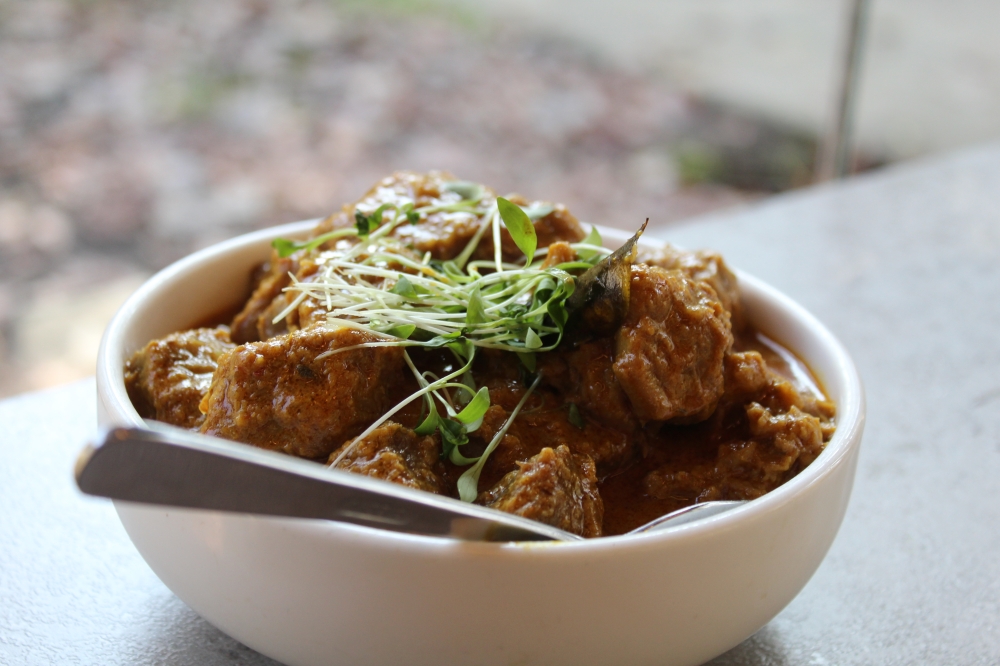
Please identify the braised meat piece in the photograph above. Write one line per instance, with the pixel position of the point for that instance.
(748, 378)
(394, 453)
(669, 351)
(778, 428)
(246, 324)
(308, 313)
(446, 233)
(778, 447)
(554, 487)
(746, 375)
(549, 425)
(167, 379)
(286, 394)
(705, 266)
(586, 376)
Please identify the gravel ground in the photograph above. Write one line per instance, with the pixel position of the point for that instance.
(134, 132)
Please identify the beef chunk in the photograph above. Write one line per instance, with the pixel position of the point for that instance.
(705, 266)
(308, 313)
(793, 437)
(586, 376)
(443, 234)
(280, 394)
(748, 378)
(746, 375)
(397, 454)
(548, 426)
(554, 487)
(168, 378)
(669, 351)
(246, 324)
(779, 446)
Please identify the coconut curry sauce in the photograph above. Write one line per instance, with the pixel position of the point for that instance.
(411, 341)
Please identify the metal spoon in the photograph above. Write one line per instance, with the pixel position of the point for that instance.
(174, 467)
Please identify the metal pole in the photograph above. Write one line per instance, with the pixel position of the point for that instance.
(834, 160)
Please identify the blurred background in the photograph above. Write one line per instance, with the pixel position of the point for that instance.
(132, 133)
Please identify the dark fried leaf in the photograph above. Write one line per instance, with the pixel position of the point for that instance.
(600, 301)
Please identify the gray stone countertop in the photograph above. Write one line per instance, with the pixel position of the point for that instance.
(903, 265)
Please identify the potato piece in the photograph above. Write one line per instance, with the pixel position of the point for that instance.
(554, 487)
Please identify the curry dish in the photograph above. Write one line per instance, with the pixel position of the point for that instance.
(490, 349)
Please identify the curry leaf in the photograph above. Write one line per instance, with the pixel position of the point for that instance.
(520, 227)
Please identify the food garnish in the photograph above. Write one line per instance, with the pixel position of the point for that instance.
(378, 285)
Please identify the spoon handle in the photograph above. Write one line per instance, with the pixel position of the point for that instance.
(174, 467)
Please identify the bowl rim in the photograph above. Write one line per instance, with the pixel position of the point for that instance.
(850, 419)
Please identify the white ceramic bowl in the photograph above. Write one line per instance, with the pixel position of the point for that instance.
(316, 592)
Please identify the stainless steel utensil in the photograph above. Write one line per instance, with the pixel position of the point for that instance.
(169, 466)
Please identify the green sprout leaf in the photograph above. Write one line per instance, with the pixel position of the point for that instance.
(366, 224)
(593, 238)
(476, 313)
(404, 288)
(574, 416)
(363, 223)
(412, 216)
(468, 483)
(403, 331)
(538, 210)
(531, 340)
(467, 190)
(287, 248)
(528, 359)
(520, 227)
(472, 415)
(430, 422)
